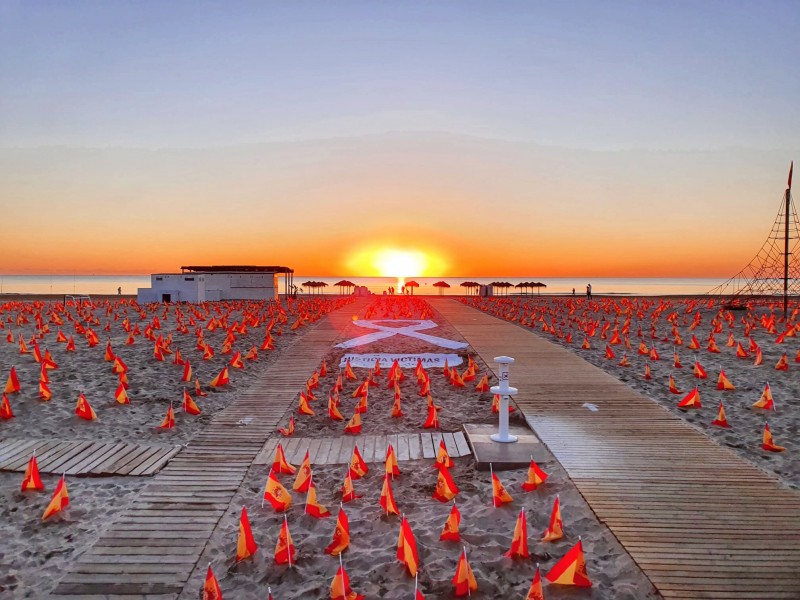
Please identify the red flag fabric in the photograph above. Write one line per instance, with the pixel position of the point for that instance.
(387, 502)
(276, 494)
(555, 531)
(536, 477)
(451, 532)
(571, 569)
(5, 409)
(446, 489)
(313, 507)
(284, 549)
(84, 410)
(60, 499)
(721, 420)
(31, 480)
(464, 580)
(519, 543)
(341, 535)
(246, 544)
(535, 592)
(303, 479)
(211, 590)
(189, 405)
(280, 464)
(499, 494)
(407, 548)
(358, 467)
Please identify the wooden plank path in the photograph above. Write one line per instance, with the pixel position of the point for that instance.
(699, 520)
(331, 451)
(153, 547)
(85, 457)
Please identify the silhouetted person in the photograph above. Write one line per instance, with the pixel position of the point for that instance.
(589, 291)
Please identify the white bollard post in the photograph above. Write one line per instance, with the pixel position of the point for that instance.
(505, 391)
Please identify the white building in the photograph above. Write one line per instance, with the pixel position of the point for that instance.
(210, 283)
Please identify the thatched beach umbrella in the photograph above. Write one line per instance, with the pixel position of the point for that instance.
(523, 284)
(412, 285)
(469, 285)
(441, 285)
(538, 285)
(502, 285)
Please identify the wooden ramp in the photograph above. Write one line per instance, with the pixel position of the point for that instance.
(699, 520)
(331, 451)
(153, 547)
(85, 458)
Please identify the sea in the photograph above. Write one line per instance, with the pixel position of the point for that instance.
(637, 286)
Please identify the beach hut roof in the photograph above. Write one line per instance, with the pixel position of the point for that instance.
(441, 284)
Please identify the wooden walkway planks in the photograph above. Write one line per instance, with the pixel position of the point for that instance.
(153, 547)
(85, 457)
(699, 520)
(328, 451)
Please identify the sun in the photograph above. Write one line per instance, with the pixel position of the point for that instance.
(400, 263)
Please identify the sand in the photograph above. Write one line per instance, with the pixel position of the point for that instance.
(371, 562)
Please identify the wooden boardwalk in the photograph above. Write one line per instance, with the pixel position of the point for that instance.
(153, 547)
(85, 458)
(331, 451)
(699, 520)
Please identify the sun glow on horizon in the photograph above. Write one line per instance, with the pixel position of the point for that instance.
(397, 263)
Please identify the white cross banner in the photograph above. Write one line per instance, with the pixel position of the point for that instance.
(406, 361)
(411, 329)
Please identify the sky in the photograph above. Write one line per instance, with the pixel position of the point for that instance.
(494, 139)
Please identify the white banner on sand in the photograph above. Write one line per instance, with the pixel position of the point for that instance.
(411, 329)
(406, 361)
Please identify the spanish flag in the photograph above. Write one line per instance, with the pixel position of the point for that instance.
(109, 354)
(766, 402)
(571, 569)
(169, 420)
(624, 362)
(767, 443)
(236, 361)
(340, 586)
(387, 498)
(341, 535)
(691, 400)
(252, 354)
(535, 591)
(280, 464)
(31, 480)
(361, 407)
(536, 477)
(464, 580)
(392, 467)
(276, 494)
(358, 467)
(759, 358)
(348, 491)
(499, 494)
(303, 479)
(672, 387)
(442, 457)
(721, 421)
(397, 410)
(314, 508)
(211, 589)
(783, 363)
(289, 430)
(84, 410)
(221, 379)
(699, 371)
(198, 391)
(60, 499)
(723, 383)
(446, 488)
(610, 353)
(121, 396)
(519, 543)
(407, 547)
(354, 424)
(323, 370)
(555, 531)
(741, 352)
(284, 549)
(5, 409)
(189, 405)
(483, 384)
(348, 372)
(432, 420)
(12, 384)
(304, 408)
(585, 345)
(450, 532)
(187, 372)
(246, 545)
(362, 390)
(647, 375)
(333, 410)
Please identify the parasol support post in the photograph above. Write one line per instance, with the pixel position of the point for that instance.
(505, 392)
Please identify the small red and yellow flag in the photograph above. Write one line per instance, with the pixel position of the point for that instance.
(536, 477)
(287, 431)
(407, 547)
(84, 410)
(341, 535)
(221, 379)
(387, 502)
(12, 383)
(571, 569)
(767, 442)
(691, 400)
(211, 589)
(60, 499)
(442, 457)
(348, 491)
(189, 405)
(169, 420)
(246, 544)
(392, 468)
(284, 549)
(446, 488)
(464, 580)
(535, 592)
(340, 586)
(450, 532)
(276, 494)
(499, 494)
(313, 507)
(519, 543)
(721, 420)
(555, 531)
(765, 401)
(723, 383)
(303, 479)
(358, 466)
(280, 464)
(5, 409)
(353, 426)
(303, 406)
(31, 480)
(121, 396)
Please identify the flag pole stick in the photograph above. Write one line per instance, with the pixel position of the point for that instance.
(494, 502)
(288, 545)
